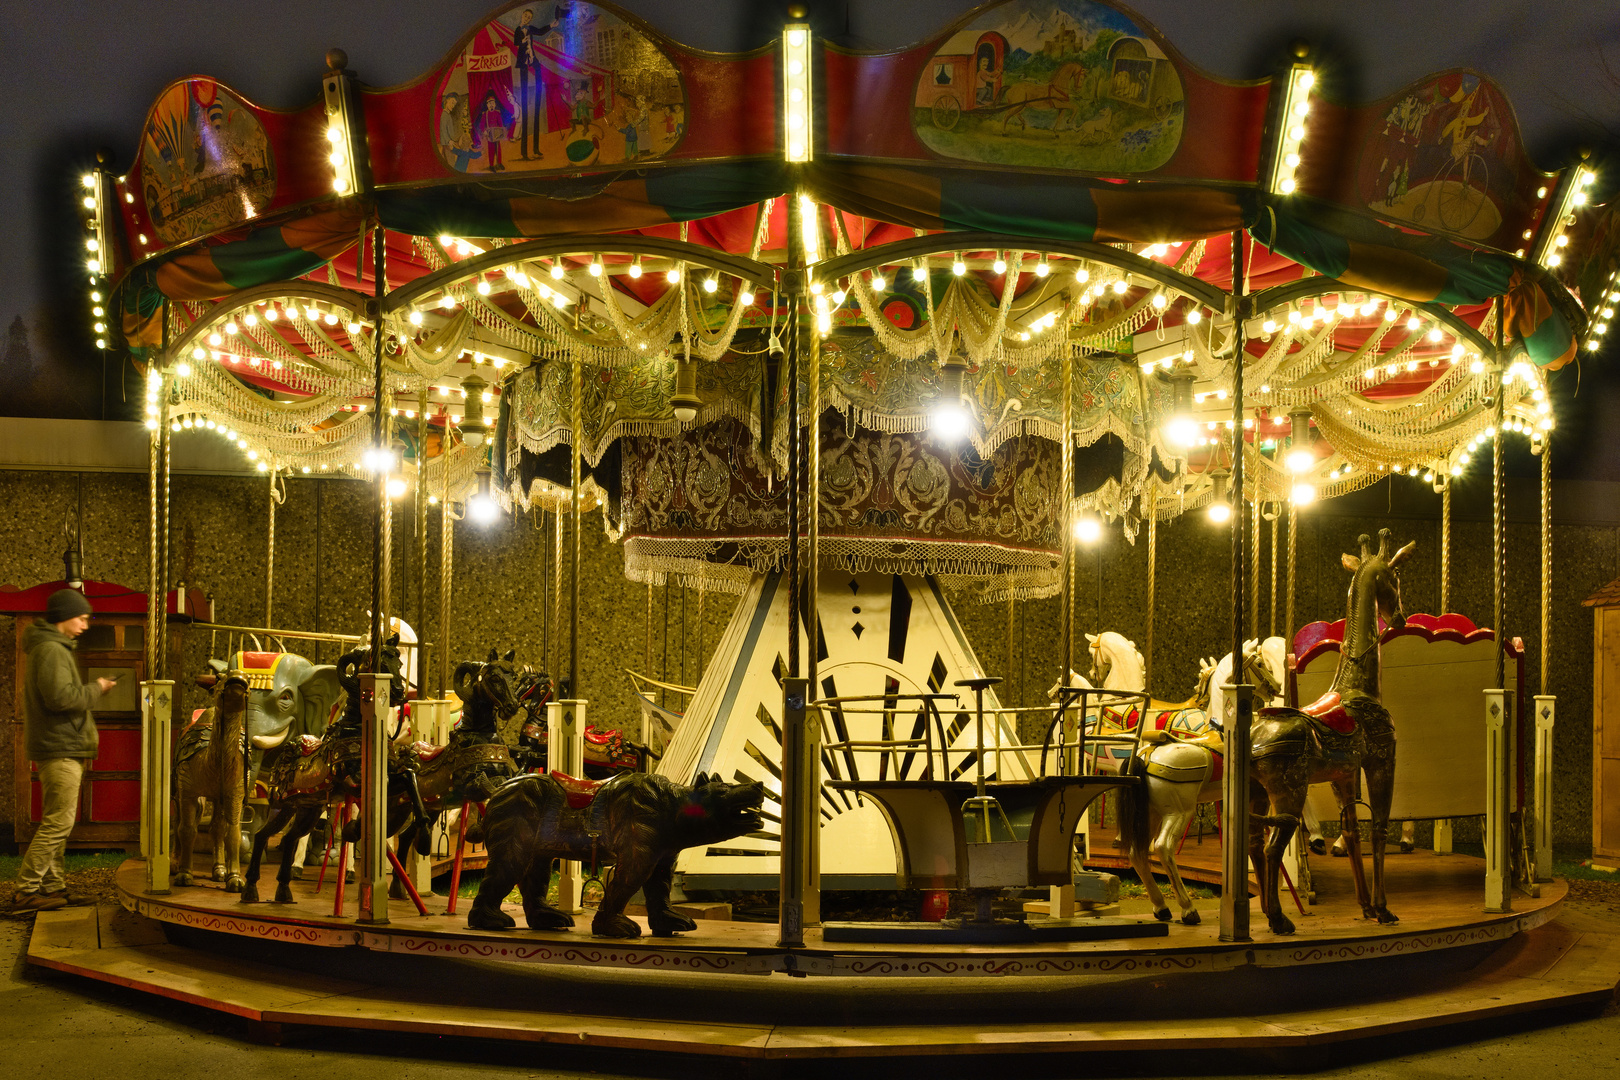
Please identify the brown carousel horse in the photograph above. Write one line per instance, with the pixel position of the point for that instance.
(309, 774)
(210, 763)
(1343, 734)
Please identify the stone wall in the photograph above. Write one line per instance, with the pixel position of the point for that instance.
(322, 582)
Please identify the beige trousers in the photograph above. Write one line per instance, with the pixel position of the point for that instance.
(43, 867)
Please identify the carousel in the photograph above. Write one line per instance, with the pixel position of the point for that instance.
(862, 340)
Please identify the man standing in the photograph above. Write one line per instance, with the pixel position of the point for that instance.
(527, 61)
(61, 736)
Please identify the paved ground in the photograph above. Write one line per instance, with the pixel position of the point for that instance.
(58, 1027)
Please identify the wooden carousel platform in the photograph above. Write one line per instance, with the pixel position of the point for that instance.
(279, 965)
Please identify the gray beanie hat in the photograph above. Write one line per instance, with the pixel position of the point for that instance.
(65, 604)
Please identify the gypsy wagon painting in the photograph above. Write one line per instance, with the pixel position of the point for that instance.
(1444, 158)
(557, 85)
(1065, 84)
(205, 161)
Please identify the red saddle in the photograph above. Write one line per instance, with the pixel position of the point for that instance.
(580, 793)
(1329, 709)
(308, 744)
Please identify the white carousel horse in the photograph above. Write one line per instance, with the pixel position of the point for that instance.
(1177, 775)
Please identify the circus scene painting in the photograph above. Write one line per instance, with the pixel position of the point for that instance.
(1444, 158)
(556, 86)
(1051, 83)
(205, 161)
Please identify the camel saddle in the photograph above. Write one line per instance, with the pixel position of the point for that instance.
(580, 793)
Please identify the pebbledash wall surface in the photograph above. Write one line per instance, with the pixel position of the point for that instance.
(323, 560)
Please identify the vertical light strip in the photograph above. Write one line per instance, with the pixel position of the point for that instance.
(797, 112)
(1291, 129)
(99, 262)
(1552, 239)
(343, 123)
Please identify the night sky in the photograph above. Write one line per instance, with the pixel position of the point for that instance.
(82, 75)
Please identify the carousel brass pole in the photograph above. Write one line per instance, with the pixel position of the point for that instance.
(447, 543)
(1254, 559)
(1150, 500)
(421, 543)
(812, 725)
(797, 810)
(1293, 562)
(556, 592)
(157, 693)
(1545, 703)
(1235, 781)
(1273, 628)
(1442, 826)
(1445, 548)
(1498, 709)
(270, 553)
(577, 481)
(375, 687)
(1065, 511)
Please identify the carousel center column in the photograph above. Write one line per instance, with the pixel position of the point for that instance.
(157, 692)
(798, 757)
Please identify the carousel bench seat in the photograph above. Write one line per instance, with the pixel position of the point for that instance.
(931, 845)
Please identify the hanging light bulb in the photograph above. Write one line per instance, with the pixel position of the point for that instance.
(1087, 529)
(685, 401)
(1181, 430)
(878, 284)
(1220, 507)
(950, 420)
(1300, 454)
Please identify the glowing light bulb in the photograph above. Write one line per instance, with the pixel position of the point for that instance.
(635, 269)
(1303, 494)
(673, 277)
(1000, 265)
(878, 284)
(1194, 316)
(182, 369)
(958, 267)
(1087, 529)
(1042, 268)
(711, 284)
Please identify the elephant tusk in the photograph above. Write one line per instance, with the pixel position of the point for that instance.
(270, 742)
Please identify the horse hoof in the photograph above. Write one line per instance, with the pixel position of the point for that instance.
(298, 873)
(250, 894)
(284, 893)
(1386, 918)
(485, 919)
(182, 878)
(1190, 917)
(614, 926)
(235, 883)
(218, 874)
(1407, 849)
(1281, 924)
(1318, 847)
(1162, 914)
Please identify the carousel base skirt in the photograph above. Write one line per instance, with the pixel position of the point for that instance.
(998, 932)
(1446, 963)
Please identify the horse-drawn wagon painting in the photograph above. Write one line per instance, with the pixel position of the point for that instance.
(1057, 83)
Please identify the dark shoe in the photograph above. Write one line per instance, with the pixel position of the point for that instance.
(34, 901)
(71, 899)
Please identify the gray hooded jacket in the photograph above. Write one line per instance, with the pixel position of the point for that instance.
(56, 702)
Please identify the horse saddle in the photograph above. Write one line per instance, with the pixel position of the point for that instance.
(1329, 711)
(580, 793)
(307, 744)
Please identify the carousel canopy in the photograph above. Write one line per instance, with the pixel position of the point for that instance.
(1038, 186)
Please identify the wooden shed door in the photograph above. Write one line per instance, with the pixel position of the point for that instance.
(1606, 734)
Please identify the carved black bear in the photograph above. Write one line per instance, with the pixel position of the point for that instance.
(641, 822)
